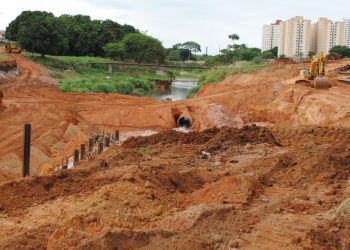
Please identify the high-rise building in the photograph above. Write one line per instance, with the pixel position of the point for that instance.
(329, 34)
(347, 32)
(298, 36)
(295, 37)
(271, 33)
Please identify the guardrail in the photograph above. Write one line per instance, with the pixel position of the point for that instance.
(148, 65)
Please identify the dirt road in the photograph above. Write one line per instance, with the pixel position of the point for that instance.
(281, 186)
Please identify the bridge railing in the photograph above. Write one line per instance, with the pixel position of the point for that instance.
(149, 65)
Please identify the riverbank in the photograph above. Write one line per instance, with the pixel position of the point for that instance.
(74, 75)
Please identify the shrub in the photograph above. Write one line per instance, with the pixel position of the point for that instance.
(213, 76)
(141, 83)
(193, 91)
(282, 57)
(257, 60)
(333, 56)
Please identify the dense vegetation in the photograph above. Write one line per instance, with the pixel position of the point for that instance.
(183, 51)
(42, 32)
(238, 52)
(338, 52)
(74, 75)
(138, 48)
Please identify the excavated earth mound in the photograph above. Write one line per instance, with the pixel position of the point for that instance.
(159, 192)
(280, 184)
(214, 138)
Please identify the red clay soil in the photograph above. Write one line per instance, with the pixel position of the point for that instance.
(8, 65)
(255, 195)
(280, 184)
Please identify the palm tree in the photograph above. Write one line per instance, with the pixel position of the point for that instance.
(233, 37)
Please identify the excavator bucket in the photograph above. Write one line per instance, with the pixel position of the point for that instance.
(321, 83)
(304, 82)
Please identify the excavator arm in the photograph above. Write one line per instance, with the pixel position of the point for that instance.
(315, 75)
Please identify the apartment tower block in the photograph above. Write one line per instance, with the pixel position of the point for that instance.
(296, 37)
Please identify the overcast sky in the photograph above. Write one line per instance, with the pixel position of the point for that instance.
(207, 22)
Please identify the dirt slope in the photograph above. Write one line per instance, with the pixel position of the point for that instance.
(259, 189)
(267, 96)
(283, 184)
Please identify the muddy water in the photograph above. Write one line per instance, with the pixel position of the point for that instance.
(179, 90)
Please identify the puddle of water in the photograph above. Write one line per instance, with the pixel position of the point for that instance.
(179, 91)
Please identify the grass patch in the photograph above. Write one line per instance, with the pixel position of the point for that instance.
(97, 87)
(97, 81)
(62, 63)
(4, 57)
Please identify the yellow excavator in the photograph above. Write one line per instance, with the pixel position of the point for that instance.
(11, 48)
(315, 75)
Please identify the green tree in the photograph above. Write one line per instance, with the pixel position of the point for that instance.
(311, 54)
(270, 54)
(267, 55)
(282, 57)
(41, 32)
(183, 51)
(114, 50)
(275, 51)
(344, 51)
(83, 36)
(142, 48)
(234, 37)
(173, 55)
(13, 27)
(191, 47)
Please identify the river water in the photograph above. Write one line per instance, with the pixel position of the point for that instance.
(179, 90)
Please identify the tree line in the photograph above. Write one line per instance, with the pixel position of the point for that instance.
(78, 35)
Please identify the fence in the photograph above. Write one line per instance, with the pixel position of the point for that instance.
(96, 145)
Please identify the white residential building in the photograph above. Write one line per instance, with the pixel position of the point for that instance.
(347, 32)
(270, 37)
(298, 36)
(295, 37)
(329, 34)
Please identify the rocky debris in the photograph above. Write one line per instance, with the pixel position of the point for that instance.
(8, 65)
(214, 139)
(205, 155)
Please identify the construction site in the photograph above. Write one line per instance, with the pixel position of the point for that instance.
(264, 163)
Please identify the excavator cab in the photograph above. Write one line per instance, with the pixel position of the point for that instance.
(315, 75)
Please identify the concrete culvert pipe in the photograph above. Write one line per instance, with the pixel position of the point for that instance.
(184, 122)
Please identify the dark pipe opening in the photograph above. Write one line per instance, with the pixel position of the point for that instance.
(184, 122)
